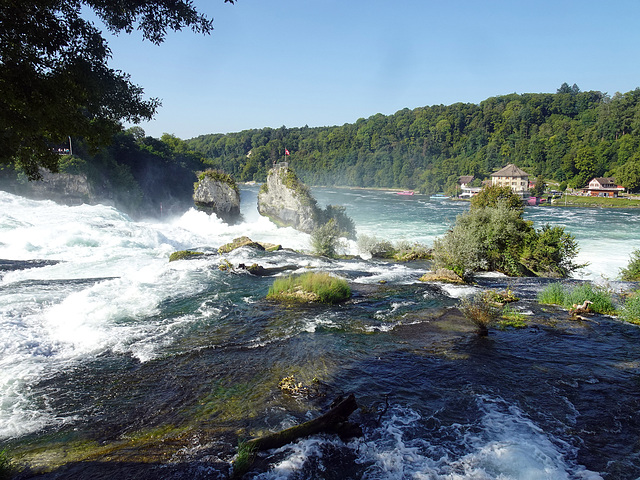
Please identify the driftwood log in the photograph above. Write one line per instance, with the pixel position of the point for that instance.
(334, 421)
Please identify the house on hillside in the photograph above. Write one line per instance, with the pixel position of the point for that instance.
(513, 177)
(467, 191)
(603, 187)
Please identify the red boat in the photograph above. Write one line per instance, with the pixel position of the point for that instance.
(405, 192)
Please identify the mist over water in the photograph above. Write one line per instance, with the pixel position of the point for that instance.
(108, 336)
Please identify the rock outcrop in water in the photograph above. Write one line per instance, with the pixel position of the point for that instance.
(287, 202)
(216, 192)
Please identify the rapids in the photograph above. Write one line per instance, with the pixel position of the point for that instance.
(116, 363)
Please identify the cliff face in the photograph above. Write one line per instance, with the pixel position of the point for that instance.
(217, 193)
(64, 188)
(287, 201)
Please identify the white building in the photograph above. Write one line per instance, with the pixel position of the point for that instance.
(513, 177)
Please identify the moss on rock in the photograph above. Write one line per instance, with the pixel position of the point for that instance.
(239, 242)
(184, 255)
(218, 176)
(442, 275)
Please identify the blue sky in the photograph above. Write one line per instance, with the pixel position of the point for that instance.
(329, 62)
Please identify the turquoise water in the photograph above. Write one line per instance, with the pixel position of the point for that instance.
(118, 363)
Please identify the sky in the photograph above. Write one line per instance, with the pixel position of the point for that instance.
(273, 63)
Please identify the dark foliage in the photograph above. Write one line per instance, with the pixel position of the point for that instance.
(55, 81)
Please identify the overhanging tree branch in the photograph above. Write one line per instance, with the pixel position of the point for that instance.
(54, 76)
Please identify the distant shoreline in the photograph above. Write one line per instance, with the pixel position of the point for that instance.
(594, 202)
(572, 200)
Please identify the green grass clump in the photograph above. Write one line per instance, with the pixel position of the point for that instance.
(552, 294)
(559, 294)
(244, 459)
(632, 272)
(630, 312)
(512, 318)
(310, 286)
(601, 298)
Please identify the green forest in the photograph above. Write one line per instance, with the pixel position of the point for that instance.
(568, 136)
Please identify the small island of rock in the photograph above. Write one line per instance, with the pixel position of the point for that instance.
(287, 201)
(216, 192)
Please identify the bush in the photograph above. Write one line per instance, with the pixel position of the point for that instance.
(405, 251)
(558, 294)
(550, 252)
(344, 223)
(375, 247)
(632, 272)
(630, 311)
(483, 239)
(492, 195)
(325, 240)
(401, 251)
(481, 310)
(310, 286)
(499, 239)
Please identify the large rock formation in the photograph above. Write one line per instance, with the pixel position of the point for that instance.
(216, 192)
(65, 188)
(287, 201)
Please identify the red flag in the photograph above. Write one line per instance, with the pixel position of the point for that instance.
(286, 152)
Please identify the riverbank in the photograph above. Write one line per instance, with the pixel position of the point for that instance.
(601, 202)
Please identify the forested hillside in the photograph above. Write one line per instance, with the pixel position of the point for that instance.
(141, 175)
(565, 136)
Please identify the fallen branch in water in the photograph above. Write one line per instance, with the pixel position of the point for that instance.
(335, 421)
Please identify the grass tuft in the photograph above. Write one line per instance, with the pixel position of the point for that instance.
(567, 297)
(630, 312)
(310, 286)
(244, 459)
(512, 318)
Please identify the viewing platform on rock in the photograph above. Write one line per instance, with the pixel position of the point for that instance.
(281, 165)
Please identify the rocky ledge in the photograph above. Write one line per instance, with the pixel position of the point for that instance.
(216, 192)
(287, 201)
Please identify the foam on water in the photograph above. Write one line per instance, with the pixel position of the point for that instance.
(105, 294)
(503, 445)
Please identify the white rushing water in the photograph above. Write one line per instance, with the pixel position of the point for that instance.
(107, 292)
(505, 445)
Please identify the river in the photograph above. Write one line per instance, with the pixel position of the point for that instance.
(115, 363)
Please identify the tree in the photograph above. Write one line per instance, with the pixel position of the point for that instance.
(628, 175)
(538, 190)
(585, 163)
(632, 271)
(491, 195)
(55, 81)
(325, 240)
(493, 236)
